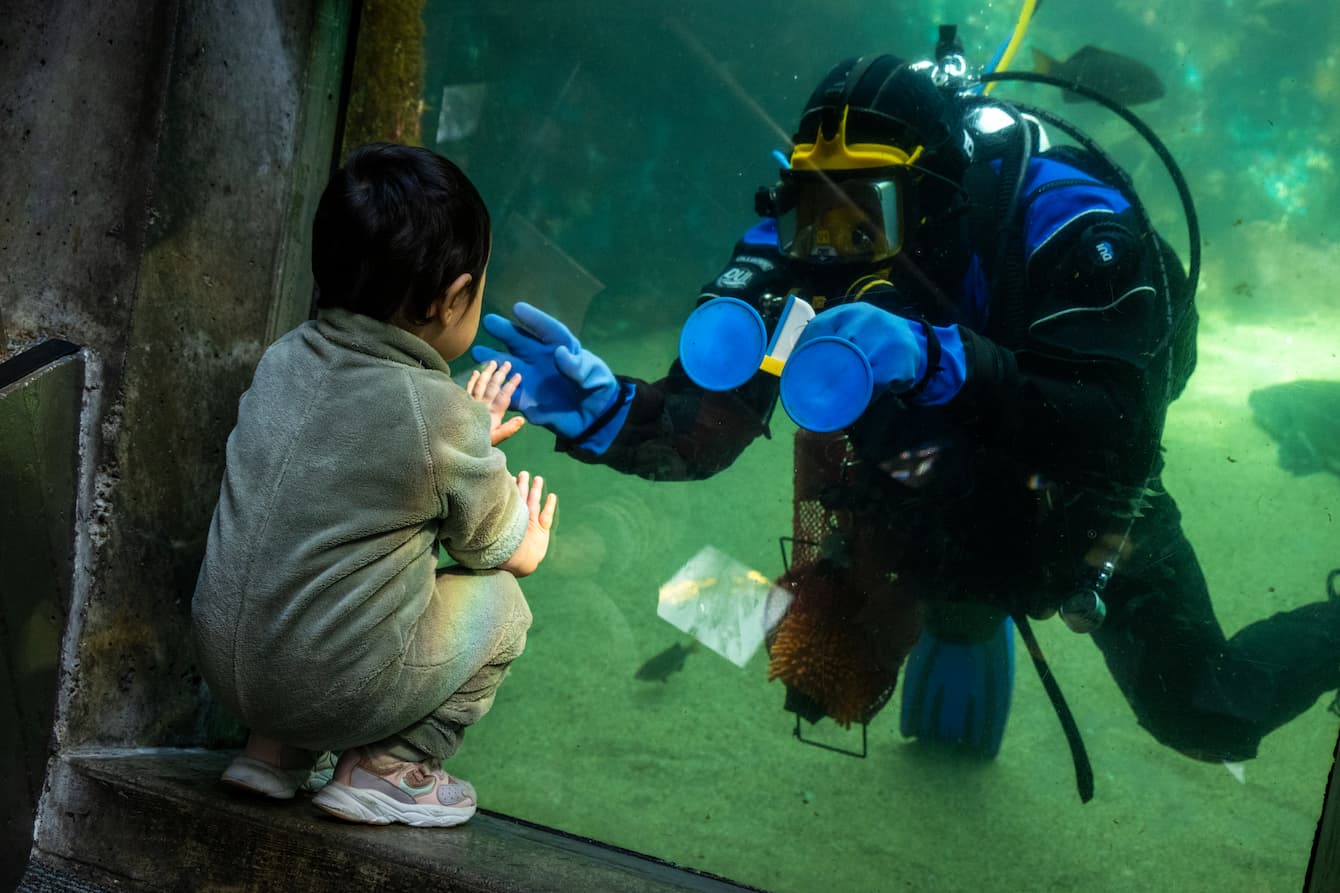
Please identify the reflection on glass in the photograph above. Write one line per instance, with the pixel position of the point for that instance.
(1026, 463)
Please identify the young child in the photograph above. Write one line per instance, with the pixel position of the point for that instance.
(320, 617)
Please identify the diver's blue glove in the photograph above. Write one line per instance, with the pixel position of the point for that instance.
(565, 388)
(850, 354)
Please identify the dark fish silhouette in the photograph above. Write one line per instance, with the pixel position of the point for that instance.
(1117, 77)
(671, 660)
(1304, 418)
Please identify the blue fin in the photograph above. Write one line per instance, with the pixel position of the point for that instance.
(960, 693)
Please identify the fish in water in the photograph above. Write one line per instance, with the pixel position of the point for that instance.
(1119, 78)
(659, 667)
(1304, 418)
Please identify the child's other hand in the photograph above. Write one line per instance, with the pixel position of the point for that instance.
(491, 387)
(541, 517)
(541, 510)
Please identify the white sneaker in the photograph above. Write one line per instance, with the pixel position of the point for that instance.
(259, 777)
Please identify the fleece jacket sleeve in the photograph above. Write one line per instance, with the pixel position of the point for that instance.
(483, 517)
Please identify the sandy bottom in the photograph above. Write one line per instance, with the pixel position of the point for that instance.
(703, 769)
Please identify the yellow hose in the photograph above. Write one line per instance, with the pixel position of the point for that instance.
(1025, 16)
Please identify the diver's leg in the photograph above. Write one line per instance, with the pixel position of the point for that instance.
(1209, 697)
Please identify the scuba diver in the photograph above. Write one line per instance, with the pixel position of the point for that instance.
(978, 335)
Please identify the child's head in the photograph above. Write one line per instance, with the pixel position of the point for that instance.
(403, 236)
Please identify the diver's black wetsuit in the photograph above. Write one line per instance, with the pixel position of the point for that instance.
(1051, 449)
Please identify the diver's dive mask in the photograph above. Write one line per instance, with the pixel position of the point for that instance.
(841, 201)
(841, 216)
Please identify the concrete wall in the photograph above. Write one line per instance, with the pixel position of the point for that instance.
(162, 160)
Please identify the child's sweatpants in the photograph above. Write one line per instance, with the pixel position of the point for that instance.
(413, 681)
(489, 623)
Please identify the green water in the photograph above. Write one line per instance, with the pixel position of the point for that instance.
(619, 151)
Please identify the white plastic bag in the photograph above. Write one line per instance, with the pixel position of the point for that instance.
(722, 603)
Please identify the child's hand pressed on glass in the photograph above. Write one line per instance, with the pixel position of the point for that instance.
(491, 386)
(540, 508)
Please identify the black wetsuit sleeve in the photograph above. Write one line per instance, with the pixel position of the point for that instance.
(676, 430)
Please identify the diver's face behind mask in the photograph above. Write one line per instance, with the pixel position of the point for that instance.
(843, 218)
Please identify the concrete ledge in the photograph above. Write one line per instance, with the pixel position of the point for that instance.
(159, 819)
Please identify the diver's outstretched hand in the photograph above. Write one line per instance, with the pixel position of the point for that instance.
(491, 386)
(564, 387)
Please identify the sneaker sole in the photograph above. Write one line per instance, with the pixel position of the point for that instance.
(374, 808)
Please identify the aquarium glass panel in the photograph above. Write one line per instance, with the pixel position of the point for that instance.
(895, 729)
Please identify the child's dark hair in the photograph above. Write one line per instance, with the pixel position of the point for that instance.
(395, 227)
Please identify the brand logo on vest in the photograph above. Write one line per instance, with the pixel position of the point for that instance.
(735, 277)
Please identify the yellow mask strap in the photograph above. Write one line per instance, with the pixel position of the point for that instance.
(837, 155)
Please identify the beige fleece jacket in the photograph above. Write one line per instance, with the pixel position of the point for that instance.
(354, 452)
